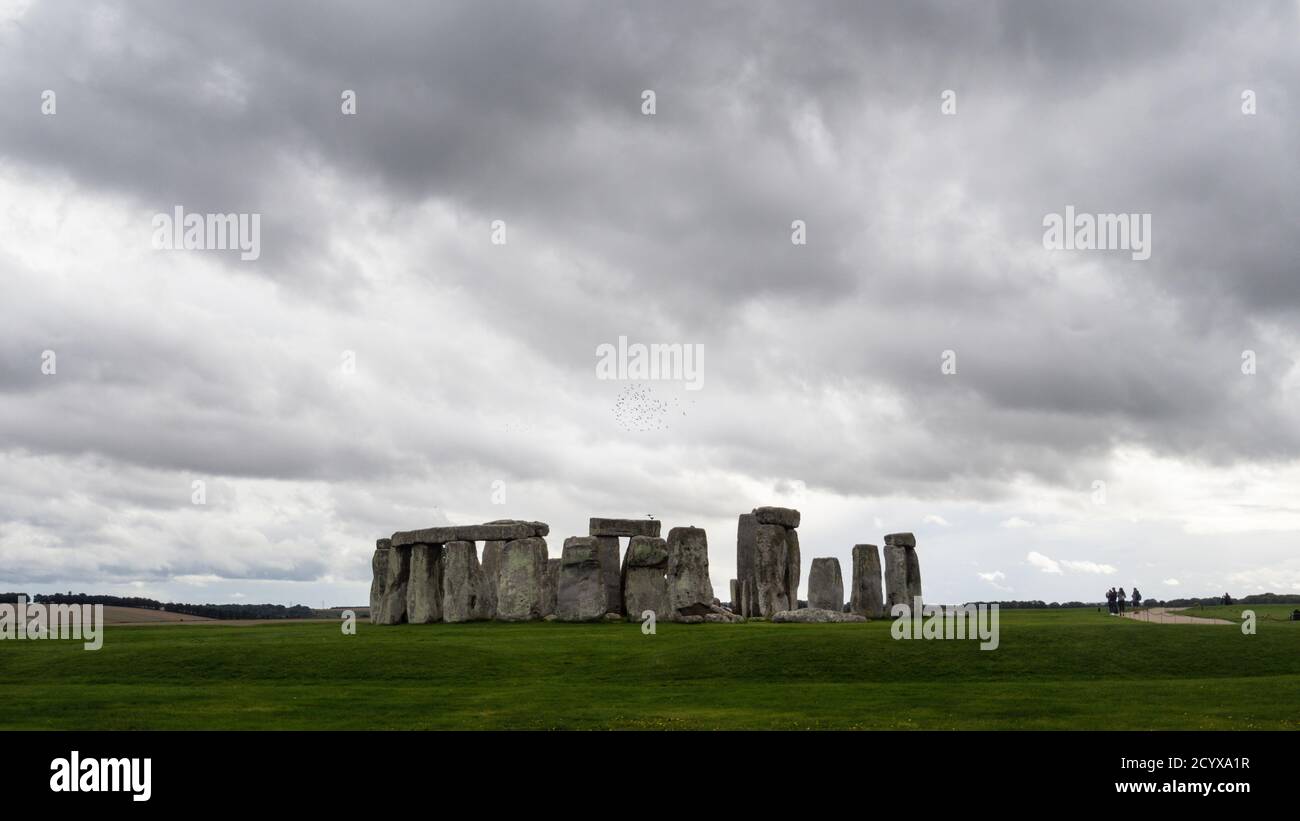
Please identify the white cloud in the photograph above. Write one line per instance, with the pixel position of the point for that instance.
(1043, 563)
(934, 519)
(1015, 522)
(1172, 582)
(1088, 567)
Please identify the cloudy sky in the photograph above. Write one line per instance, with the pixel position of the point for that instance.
(385, 365)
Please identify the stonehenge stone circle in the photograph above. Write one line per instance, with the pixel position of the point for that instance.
(825, 585)
(424, 589)
(391, 572)
(435, 574)
(866, 599)
(645, 578)
(581, 592)
(688, 569)
(462, 583)
(520, 580)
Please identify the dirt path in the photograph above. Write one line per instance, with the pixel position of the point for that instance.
(1166, 615)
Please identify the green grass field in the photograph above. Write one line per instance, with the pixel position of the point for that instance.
(1075, 669)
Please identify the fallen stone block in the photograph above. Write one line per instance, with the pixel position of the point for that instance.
(813, 615)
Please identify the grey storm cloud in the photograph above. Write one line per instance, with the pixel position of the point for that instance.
(924, 235)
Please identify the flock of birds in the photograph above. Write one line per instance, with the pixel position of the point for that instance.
(639, 408)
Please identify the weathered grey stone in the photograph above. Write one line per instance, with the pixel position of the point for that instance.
(466, 533)
(623, 527)
(816, 615)
(688, 568)
(539, 528)
(581, 593)
(825, 585)
(900, 540)
(784, 516)
(771, 566)
(520, 581)
(645, 579)
(793, 566)
(462, 583)
(611, 576)
(745, 539)
(388, 584)
(866, 598)
(424, 591)
(895, 576)
(491, 567)
(913, 577)
(734, 587)
(550, 587)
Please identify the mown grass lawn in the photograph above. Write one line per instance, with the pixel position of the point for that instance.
(1076, 669)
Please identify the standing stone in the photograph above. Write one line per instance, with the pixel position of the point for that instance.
(581, 591)
(771, 584)
(688, 569)
(393, 573)
(784, 516)
(735, 595)
(491, 565)
(550, 587)
(895, 576)
(793, 566)
(519, 589)
(424, 592)
(645, 579)
(825, 585)
(913, 576)
(745, 540)
(865, 598)
(462, 583)
(611, 576)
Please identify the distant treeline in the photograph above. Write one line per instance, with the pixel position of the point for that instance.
(1038, 605)
(211, 611)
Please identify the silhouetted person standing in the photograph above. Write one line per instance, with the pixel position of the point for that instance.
(1227, 600)
(1110, 600)
(1120, 600)
(1137, 598)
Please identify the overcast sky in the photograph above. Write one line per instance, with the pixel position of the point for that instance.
(475, 362)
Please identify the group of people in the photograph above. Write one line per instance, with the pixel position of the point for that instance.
(1115, 600)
